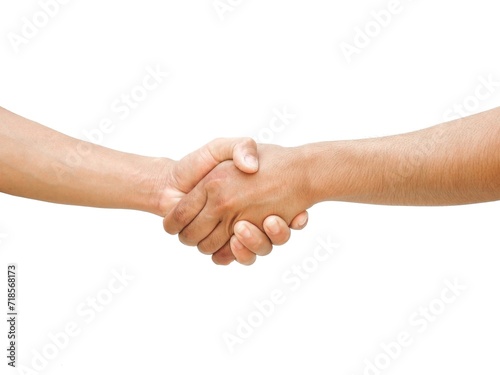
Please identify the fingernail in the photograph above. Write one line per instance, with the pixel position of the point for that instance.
(243, 231)
(273, 226)
(303, 220)
(251, 161)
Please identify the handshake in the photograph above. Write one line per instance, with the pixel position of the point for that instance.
(232, 199)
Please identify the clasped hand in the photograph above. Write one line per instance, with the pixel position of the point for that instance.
(235, 209)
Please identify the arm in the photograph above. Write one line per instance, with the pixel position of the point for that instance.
(453, 163)
(39, 163)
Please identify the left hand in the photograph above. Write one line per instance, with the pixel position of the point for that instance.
(249, 241)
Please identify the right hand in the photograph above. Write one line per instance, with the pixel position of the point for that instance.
(205, 217)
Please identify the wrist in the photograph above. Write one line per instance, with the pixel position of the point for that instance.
(325, 166)
(302, 175)
(153, 181)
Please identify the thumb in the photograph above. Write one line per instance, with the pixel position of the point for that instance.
(243, 151)
(192, 168)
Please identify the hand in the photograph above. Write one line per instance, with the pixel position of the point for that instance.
(248, 240)
(206, 216)
(182, 177)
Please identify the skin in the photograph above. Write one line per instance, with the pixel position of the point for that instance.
(454, 163)
(39, 163)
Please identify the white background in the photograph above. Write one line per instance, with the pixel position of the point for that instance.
(226, 77)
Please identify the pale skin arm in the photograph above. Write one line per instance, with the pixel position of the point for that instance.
(39, 163)
(450, 164)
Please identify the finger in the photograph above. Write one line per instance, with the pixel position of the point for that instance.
(300, 221)
(223, 256)
(196, 165)
(241, 253)
(252, 238)
(185, 211)
(243, 151)
(215, 240)
(245, 155)
(202, 227)
(276, 229)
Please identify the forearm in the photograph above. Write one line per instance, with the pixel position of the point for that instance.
(39, 163)
(454, 163)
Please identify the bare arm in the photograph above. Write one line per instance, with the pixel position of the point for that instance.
(454, 163)
(457, 162)
(39, 163)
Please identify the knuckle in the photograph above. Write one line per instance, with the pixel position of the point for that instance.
(214, 144)
(187, 238)
(248, 142)
(223, 256)
(168, 226)
(221, 203)
(216, 180)
(224, 205)
(214, 242)
(280, 238)
(266, 250)
(213, 185)
(205, 248)
(179, 214)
